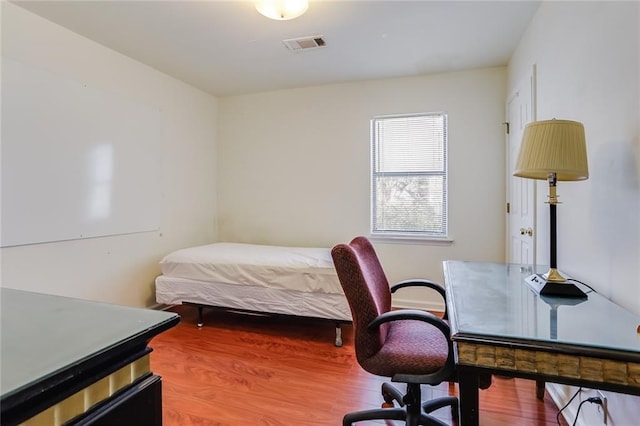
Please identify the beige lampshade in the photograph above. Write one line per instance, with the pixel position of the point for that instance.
(553, 146)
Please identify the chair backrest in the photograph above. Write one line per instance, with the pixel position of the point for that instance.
(367, 290)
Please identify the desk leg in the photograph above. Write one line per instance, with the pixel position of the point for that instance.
(469, 401)
(540, 389)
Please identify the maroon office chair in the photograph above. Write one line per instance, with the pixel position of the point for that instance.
(409, 346)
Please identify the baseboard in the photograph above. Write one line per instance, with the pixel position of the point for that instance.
(623, 410)
(159, 307)
(418, 304)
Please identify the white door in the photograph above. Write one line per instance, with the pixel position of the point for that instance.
(521, 237)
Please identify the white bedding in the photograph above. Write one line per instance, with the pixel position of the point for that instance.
(286, 268)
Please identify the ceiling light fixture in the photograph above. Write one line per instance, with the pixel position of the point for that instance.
(282, 10)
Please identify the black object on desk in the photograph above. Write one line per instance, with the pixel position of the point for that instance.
(544, 287)
(71, 361)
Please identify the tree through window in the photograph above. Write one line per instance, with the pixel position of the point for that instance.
(409, 175)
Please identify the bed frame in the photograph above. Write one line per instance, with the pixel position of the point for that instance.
(338, 323)
(259, 280)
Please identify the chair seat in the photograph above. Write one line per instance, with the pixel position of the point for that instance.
(411, 347)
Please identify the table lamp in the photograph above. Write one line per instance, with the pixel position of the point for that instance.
(553, 150)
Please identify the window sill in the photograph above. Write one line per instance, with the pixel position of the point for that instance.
(411, 239)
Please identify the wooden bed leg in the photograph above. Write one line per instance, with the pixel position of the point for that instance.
(338, 335)
(200, 320)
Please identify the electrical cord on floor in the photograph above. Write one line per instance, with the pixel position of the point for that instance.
(593, 400)
(566, 405)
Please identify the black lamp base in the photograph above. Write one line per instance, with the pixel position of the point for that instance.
(554, 288)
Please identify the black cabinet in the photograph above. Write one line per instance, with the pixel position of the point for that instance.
(141, 405)
(70, 361)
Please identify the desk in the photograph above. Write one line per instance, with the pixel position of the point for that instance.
(73, 360)
(500, 326)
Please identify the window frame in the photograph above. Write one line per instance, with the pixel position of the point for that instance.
(408, 235)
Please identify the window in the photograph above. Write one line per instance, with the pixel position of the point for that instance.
(409, 176)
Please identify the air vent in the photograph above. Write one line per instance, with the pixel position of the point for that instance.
(304, 43)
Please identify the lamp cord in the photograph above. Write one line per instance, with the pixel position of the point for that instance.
(584, 284)
(592, 400)
(566, 405)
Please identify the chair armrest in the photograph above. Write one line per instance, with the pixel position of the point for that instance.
(424, 283)
(412, 314)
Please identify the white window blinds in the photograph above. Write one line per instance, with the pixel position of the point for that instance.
(409, 175)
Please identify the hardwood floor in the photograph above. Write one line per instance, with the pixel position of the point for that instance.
(242, 369)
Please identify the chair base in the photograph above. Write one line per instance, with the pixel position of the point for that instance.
(412, 410)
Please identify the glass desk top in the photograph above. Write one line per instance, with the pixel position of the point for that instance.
(492, 302)
(42, 335)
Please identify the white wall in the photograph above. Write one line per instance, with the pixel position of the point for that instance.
(119, 269)
(588, 67)
(294, 166)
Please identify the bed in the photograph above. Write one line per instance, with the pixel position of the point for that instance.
(275, 280)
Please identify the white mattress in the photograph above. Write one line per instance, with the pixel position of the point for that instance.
(303, 269)
(173, 291)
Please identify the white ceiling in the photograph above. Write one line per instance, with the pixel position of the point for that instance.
(227, 48)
